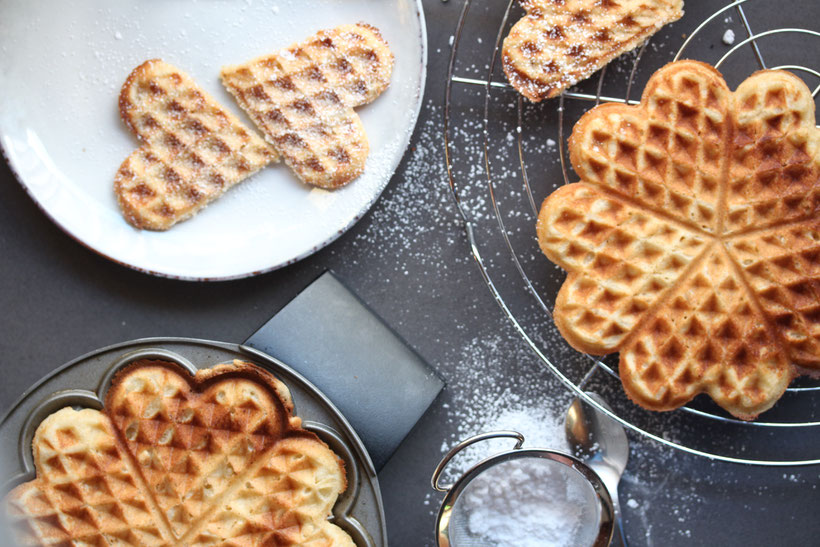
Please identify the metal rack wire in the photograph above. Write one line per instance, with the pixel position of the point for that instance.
(508, 273)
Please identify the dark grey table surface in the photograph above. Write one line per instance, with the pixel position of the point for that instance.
(408, 259)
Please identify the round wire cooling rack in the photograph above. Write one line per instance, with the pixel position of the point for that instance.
(504, 155)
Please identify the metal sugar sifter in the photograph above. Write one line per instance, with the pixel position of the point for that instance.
(523, 497)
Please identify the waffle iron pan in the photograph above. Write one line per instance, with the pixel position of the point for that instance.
(83, 382)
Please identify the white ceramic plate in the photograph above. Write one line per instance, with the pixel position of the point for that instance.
(61, 68)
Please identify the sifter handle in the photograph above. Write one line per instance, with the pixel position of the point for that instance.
(464, 444)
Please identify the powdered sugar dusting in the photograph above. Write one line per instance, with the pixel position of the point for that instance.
(489, 402)
(527, 502)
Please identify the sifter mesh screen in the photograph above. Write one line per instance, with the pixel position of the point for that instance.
(525, 502)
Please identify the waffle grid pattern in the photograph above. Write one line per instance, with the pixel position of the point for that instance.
(303, 97)
(86, 494)
(282, 503)
(731, 317)
(194, 149)
(170, 461)
(621, 257)
(190, 446)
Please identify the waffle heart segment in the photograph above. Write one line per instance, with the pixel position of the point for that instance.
(191, 445)
(710, 337)
(193, 149)
(301, 483)
(774, 158)
(303, 97)
(621, 258)
(214, 459)
(692, 241)
(668, 153)
(87, 492)
(561, 42)
(782, 266)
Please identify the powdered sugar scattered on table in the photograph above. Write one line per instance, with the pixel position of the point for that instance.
(484, 400)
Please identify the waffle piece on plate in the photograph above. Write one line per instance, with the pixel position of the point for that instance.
(194, 150)
(213, 459)
(559, 43)
(692, 241)
(303, 97)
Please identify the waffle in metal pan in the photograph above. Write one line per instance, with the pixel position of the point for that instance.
(75, 441)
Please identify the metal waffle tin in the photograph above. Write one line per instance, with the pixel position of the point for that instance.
(84, 381)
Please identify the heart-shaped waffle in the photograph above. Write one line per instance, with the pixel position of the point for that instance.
(194, 150)
(561, 42)
(172, 459)
(303, 97)
(692, 241)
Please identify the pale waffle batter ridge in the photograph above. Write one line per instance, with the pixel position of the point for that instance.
(302, 98)
(561, 42)
(214, 459)
(692, 241)
(194, 150)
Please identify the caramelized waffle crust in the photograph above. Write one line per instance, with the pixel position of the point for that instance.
(303, 97)
(193, 149)
(692, 241)
(214, 459)
(561, 42)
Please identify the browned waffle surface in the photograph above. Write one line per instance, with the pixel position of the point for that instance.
(558, 43)
(621, 258)
(87, 492)
(215, 459)
(303, 97)
(193, 149)
(693, 240)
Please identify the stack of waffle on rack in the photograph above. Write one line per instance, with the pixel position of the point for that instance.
(214, 459)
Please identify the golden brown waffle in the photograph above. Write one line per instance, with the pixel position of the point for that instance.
(561, 42)
(693, 239)
(194, 150)
(86, 490)
(303, 97)
(215, 459)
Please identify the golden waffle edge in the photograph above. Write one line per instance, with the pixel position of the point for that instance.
(692, 241)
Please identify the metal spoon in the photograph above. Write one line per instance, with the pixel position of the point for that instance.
(601, 443)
